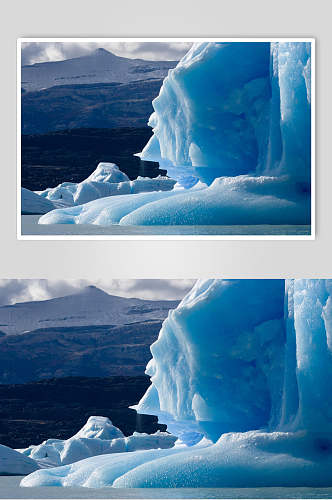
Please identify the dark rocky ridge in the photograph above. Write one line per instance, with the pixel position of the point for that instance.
(72, 155)
(99, 105)
(58, 408)
(93, 351)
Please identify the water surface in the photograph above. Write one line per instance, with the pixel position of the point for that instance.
(30, 226)
(9, 488)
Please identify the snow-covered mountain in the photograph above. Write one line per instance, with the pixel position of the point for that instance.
(101, 66)
(91, 306)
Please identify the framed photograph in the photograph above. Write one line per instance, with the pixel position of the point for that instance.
(158, 138)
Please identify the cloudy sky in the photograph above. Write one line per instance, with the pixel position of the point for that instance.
(12, 291)
(33, 52)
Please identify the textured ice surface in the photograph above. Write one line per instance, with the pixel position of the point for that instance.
(101, 471)
(238, 200)
(14, 463)
(228, 200)
(106, 180)
(32, 203)
(193, 372)
(243, 460)
(98, 436)
(98, 427)
(260, 125)
(248, 364)
(109, 210)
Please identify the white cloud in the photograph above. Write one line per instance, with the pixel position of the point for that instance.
(15, 290)
(33, 52)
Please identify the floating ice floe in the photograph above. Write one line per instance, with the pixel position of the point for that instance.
(111, 210)
(101, 471)
(228, 200)
(14, 463)
(33, 204)
(106, 180)
(237, 117)
(247, 364)
(99, 436)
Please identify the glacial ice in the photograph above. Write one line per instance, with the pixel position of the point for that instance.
(106, 180)
(188, 381)
(228, 200)
(247, 364)
(32, 203)
(98, 436)
(110, 210)
(256, 140)
(101, 471)
(237, 117)
(261, 124)
(14, 463)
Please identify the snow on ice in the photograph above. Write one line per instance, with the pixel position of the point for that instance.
(99, 436)
(31, 203)
(14, 463)
(106, 180)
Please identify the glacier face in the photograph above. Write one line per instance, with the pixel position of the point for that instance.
(247, 364)
(203, 117)
(235, 108)
(230, 110)
(278, 350)
(191, 372)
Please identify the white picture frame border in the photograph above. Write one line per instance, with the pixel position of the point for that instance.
(65, 237)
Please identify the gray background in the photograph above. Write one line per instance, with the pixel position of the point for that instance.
(164, 259)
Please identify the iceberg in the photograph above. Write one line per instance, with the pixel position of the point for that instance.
(228, 200)
(14, 463)
(256, 141)
(100, 471)
(229, 109)
(106, 180)
(247, 365)
(110, 210)
(32, 203)
(236, 117)
(98, 436)
(192, 373)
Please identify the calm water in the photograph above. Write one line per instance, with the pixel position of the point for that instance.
(30, 226)
(9, 488)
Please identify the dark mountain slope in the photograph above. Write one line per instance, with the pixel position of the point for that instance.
(93, 351)
(58, 408)
(100, 105)
(72, 155)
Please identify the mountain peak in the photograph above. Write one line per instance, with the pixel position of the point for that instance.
(102, 52)
(94, 290)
